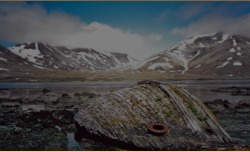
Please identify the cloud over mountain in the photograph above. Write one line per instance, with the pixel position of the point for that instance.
(22, 22)
(215, 17)
(231, 26)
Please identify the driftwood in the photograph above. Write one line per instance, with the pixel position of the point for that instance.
(124, 116)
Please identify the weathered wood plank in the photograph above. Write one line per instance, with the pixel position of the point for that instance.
(125, 114)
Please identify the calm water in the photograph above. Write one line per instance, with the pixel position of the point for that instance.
(73, 145)
(69, 84)
(187, 83)
(199, 88)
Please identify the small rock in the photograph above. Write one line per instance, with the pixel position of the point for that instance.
(71, 128)
(45, 91)
(28, 130)
(221, 149)
(65, 95)
(57, 127)
(18, 130)
(204, 147)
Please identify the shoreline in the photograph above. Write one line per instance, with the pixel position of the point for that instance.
(64, 102)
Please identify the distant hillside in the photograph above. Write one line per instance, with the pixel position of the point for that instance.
(44, 56)
(215, 54)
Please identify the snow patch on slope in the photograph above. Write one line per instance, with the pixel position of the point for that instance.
(56, 67)
(142, 63)
(224, 38)
(197, 66)
(3, 69)
(201, 45)
(39, 67)
(153, 66)
(237, 63)
(27, 53)
(3, 59)
(232, 50)
(189, 41)
(224, 64)
(132, 61)
(234, 42)
(186, 62)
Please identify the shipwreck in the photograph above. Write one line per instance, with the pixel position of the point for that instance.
(152, 116)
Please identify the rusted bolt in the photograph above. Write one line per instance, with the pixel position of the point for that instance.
(157, 128)
(208, 130)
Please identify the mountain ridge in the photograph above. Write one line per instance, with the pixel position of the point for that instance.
(215, 55)
(209, 52)
(45, 56)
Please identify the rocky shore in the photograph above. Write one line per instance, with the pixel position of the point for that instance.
(43, 119)
(234, 90)
(234, 118)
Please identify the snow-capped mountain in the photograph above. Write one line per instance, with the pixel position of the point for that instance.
(45, 56)
(9, 60)
(214, 54)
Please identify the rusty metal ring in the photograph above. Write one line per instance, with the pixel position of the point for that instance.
(158, 128)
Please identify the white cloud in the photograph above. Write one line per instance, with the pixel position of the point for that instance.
(225, 16)
(187, 11)
(194, 9)
(21, 22)
(210, 24)
(155, 37)
(105, 37)
(162, 17)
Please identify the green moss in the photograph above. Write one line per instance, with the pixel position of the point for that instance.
(119, 129)
(208, 110)
(158, 99)
(204, 118)
(200, 118)
(114, 122)
(193, 109)
(176, 90)
(164, 105)
(168, 114)
(166, 96)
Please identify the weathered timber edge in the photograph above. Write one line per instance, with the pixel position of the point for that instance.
(124, 115)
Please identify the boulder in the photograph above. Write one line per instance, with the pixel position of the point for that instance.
(48, 97)
(65, 98)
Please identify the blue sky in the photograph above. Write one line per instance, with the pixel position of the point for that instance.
(131, 27)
